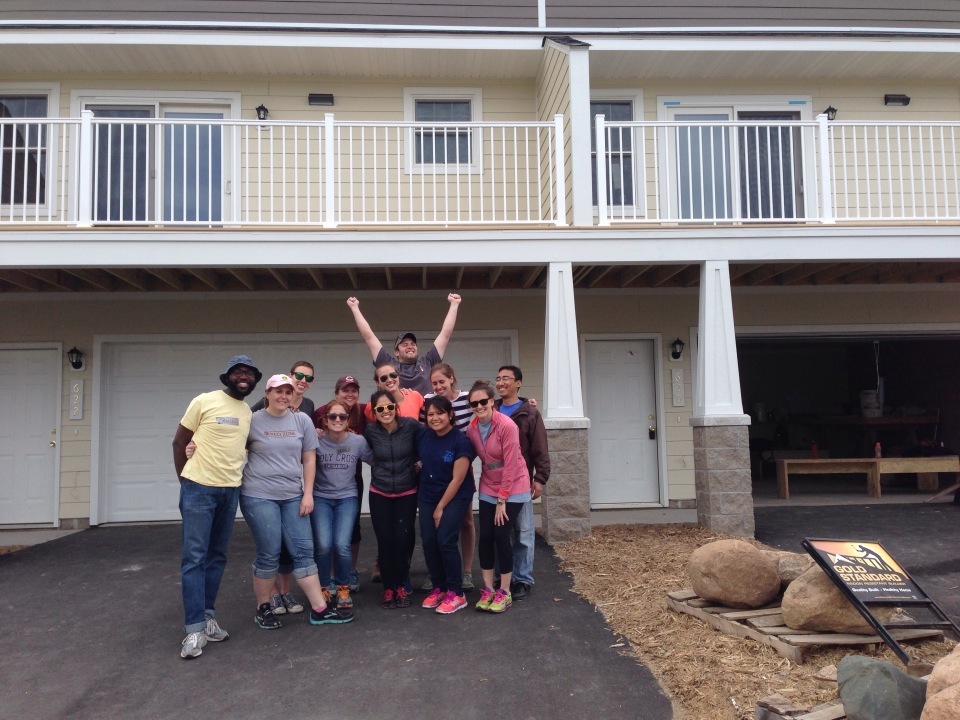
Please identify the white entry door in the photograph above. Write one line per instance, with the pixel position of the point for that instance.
(621, 401)
(29, 437)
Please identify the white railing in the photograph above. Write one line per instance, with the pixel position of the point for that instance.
(776, 172)
(214, 172)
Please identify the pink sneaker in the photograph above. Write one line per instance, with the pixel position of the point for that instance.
(435, 597)
(451, 603)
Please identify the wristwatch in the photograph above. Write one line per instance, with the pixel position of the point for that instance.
(501, 501)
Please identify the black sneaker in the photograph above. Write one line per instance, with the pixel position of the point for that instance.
(331, 616)
(266, 619)
(519, 590)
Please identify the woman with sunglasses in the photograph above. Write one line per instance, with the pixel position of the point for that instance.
(393, 493)
(347, 390)
(283, 600)
(408, 402)
(504, 487)
(335, 499)
(444, 382)
(446, 492)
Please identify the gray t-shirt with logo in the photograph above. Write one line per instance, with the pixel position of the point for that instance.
(274, 469)
(337, 466)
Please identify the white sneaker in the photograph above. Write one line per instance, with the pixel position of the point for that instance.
(214, 632)
(193, 645)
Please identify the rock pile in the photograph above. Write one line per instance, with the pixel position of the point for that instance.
(733, 573)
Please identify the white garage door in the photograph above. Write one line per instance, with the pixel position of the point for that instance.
(146, 385)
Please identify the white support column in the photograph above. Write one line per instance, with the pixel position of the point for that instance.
(561, 362)
(717, 392)
(580, 134)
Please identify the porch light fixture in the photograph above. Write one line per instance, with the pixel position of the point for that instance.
(263, 113)
(831, 113)
(896, 100)
(75, 357)
(320, 98)
(677, 349)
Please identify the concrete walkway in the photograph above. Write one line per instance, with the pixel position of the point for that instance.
(93, 628)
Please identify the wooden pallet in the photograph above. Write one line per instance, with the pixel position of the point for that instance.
(765, 625)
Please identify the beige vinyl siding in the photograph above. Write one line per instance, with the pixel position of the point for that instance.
(553, 98)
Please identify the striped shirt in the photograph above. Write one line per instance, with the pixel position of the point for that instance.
(462, 414)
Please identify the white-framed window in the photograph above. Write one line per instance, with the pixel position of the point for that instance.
(443, 139)
(177, 172)
(28, 150)
(754, 171)
(624, 153)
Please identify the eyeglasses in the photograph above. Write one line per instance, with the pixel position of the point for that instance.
(478, 403)
(504, 378)
(380, 409)
(387, 376)
(243, 372)
(303, 376)
(337, 416)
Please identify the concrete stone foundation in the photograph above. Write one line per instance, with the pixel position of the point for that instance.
(565, 508)
(721, 458)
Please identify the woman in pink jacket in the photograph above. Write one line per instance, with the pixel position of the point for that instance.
(504, 488)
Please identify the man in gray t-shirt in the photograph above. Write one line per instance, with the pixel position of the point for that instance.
(413, 369)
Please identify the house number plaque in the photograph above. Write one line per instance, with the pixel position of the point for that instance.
(76, 400)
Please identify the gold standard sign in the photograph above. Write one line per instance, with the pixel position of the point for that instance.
(866, 569)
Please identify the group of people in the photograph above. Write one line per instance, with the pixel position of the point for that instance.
(296, 473)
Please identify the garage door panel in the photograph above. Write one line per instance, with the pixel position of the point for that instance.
(146, 387)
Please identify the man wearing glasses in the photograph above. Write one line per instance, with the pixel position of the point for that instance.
(219, 422)
(533, 447)
(414, 370)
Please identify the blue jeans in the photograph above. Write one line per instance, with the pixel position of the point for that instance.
(208, 514)
(274, 523)
(440, 548)
(332, 522)
(524, 539)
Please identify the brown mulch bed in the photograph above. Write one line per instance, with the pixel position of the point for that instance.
(627, 570)
(11, 548)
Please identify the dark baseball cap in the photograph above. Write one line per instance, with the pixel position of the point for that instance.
(344, 381)
(403, 336)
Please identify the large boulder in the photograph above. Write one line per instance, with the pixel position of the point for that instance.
(945, 705)
(873, 689)
(734, 573)
(813, 602)
(790, 565)
(946, 673)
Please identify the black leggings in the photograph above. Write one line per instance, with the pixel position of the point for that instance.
(393, 523)
(493, 541)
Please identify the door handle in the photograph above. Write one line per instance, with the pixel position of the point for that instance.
(53, 443)
(653, 432)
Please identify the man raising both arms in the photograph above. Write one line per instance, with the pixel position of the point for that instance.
(414, 370)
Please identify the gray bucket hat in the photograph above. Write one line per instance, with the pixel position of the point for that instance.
(240, 360)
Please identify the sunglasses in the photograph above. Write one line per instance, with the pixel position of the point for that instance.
(337, 416)
(384, 378)
(303, 376)
(478, 403)
(380, 409)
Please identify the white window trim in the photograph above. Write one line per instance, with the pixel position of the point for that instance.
(475, 96)
(52, 91)
(181, 100)
(635, 97)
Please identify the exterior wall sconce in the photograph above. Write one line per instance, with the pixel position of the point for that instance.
(75, 357)
(263, 113)
(676, 351)
(831, 113)
(320, 98)
(896, 100)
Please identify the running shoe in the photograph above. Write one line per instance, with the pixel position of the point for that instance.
(276, 604)
(403, 598)
(344, 601)
(192, 645)
(354, 581)
(331, 616)
(435, 597)
(501, 601)
(451, 603)
(266, 619)
(389, 600)
(214, 632)
(467, 582)
(486, 597)
(290, 603)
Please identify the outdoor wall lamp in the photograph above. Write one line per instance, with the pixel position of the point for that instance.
(320, 99)
(896, 100)
(677, 349)
(262, 112)
(831, 113)
(75, 357)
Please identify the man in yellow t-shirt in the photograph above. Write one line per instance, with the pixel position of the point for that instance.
(218, 422)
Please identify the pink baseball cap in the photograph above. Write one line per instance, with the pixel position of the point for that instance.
(278, 381)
